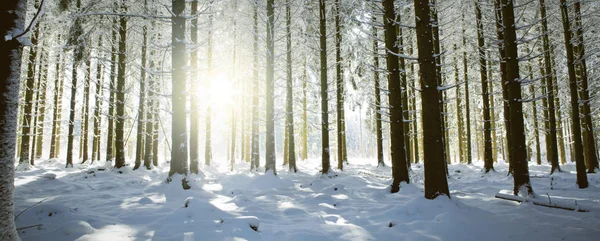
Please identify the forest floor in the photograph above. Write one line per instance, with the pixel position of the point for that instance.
(86, 203)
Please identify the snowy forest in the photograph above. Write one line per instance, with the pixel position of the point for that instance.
(299, 120)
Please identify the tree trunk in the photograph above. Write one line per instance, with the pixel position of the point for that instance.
(78, 49)
(195, 99)
(290, 107)
(487, 135)
(141, 120)
(111, 99)
(28, 115)
(270, 155)
(576, 126)
(551, 128)
(517, 146)
(378, 125)
(13, 18)
(42, 89)
(120, 95)
(179, 152)
(86, 110)
(208, 131)
(589, 143)
(304, 155)
(324, 98)
(492, 110)
(467, 99)
(399, 165)
(536, 133)
(57, 108)
(341, 132)
(255, 158)
(404, 95)
(504, 80)
(436, 183)
(98, 106)
(459, 113)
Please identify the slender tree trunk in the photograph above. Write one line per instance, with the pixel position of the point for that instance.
(504, 80)
(120, 95)
(414, 109)
(378, 125)
(270, 155)
(551, 128)
(98, 106)
(57, 108)
(459, 113)
(304, 113)
(111, 99)
(208, 131)
(86, 111)
(589, 143)
(536, 133)
(255, 158)
(151, 114)
(42, 89)
(576, 126)
(194, 100)
(142, 119)
(341, 132)
(467, 99)
(13, 18)
(404, 95)
(517, 144)
(78, 51)
(28, 118)
(324, 98)
(487, 135)
(492, 110)
(436, 183)
(290, 107)
(399, 165)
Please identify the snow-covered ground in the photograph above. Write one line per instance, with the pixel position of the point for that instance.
(85, 203)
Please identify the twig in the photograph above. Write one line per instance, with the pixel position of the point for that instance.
(32, 226)
(30, 207)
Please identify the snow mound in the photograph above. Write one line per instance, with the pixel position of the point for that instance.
(76, 228)
(49, 176)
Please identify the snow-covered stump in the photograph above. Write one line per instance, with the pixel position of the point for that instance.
(542, 201)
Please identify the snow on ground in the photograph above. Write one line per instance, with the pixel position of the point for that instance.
(88, 203)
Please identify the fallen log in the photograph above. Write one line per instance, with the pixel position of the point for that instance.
(564, 204)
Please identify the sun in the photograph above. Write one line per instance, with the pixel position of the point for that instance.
(221, 91)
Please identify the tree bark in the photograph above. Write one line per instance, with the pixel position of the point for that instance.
(399, 162)
(270, 155)
(120, 94)
(378, 125)
(576, 125)
(291, 145)
(179, 152)
(324, 105)
(12, 21)
(436, 183)
(195, 99)
(487, 135)
(517, 146)
(255, 157)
